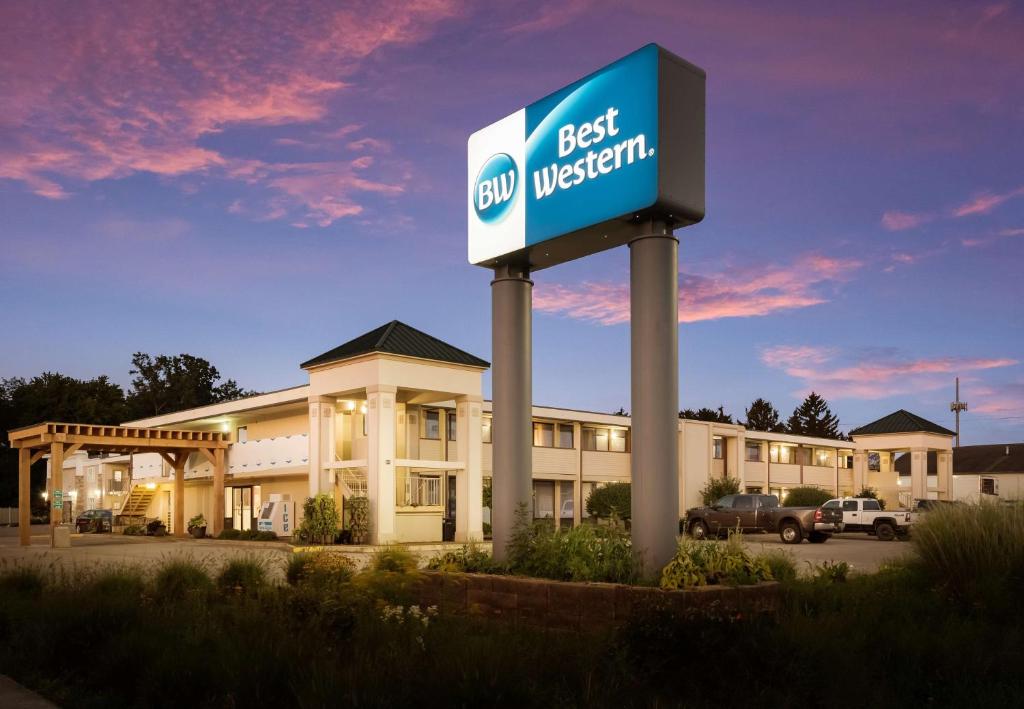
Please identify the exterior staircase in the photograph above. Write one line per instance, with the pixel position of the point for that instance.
(353, 482)
(137, 502)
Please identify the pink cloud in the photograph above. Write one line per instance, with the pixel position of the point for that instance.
(895, 220)
(1004, 401)
(985, 203)
(99, 91)
(873, 375)
(746, 292)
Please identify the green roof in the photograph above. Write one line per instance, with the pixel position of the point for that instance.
(901, 421)
(397, 338)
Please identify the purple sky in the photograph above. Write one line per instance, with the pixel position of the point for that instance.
(258, 184)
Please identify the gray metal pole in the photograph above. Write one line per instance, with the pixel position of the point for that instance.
(654, 335)
(512, 395)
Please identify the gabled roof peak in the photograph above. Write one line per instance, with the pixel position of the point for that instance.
(901, 421)
(398, 338)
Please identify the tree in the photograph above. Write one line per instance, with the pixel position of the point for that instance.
(872, 493)
(717, 488)
(814, 418)
(762, 416)
(621, 412)
(611, 500)
(806, 496)
(164, 384)
(705, 414)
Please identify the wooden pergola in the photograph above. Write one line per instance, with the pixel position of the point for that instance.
(59, 440)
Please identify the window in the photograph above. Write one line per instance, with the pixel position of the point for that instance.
(872, 505)
(832, 505)
(726, 501)
(595, 439)
(754, 451)
(432, 425)
(988, 486)
(567, 502)
(452, 426)
(849, 505)
(754, 489)
(242, 435)
(618, 440)
(485, 434)
(824, 457)
(716, 448)
(783, 454)
(366, 424)
(585, 490)
(543, 434)
(743, 502)
(805, 456)
(543, 500)
(565, 435)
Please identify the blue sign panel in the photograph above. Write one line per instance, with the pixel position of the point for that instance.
(564, 176)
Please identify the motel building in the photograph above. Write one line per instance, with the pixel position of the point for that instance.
(398, 417)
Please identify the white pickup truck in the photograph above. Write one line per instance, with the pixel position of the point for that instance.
(864, 514)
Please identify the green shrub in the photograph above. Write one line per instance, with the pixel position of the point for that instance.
(198, 521)
(229, 534)
(246, 575)
(394, 558)
(611, 501)
(320, 520)
(265, 536)
(708, 563)
(974, 553)
(830, 571)
(134, 530)
(180, 578)
(873, 494)
(358, 519)
(717, 488)
(807, 496)
(467, 559)
(584, 553)
(123, 581)
(780, 563)
(319, 570)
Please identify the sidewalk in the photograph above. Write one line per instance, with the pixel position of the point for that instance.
(14, 696)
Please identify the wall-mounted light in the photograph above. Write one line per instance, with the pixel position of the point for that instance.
(97, 492)
(350, 406)
(73, 494)
(45, 494)
(362, 409)
(226, 426)
(151, 486)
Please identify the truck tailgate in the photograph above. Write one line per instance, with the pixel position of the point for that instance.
(831, 515)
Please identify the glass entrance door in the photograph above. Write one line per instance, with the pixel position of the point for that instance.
(241, 506)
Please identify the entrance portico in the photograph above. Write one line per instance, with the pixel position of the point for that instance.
(882, 443)
(385, 409)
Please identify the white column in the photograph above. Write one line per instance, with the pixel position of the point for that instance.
(860, 471)
(321, 444)
(380, 461)
(469, 482)
(919, 473)
(741, 459)
(945, 471)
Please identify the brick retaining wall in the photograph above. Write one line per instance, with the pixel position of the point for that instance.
(581, 606)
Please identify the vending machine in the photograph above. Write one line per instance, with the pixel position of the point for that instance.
(277, 515)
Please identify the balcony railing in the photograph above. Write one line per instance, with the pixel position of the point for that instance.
(419, 491)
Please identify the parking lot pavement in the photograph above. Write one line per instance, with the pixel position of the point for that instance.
(865, 554)
(91, 550)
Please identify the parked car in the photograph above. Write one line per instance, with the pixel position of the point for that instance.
(762, 513)
(94, 521)
(865, 514)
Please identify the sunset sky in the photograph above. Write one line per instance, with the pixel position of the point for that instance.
(258, 182)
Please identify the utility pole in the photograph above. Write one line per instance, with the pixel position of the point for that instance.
(956, 407)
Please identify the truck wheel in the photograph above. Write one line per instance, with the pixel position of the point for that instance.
(817, 537)
(699, 530)
(790, 533)
(885, 532)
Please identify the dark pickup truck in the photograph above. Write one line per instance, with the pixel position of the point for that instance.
(761, 513)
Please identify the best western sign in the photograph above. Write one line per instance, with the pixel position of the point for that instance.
(565, 176)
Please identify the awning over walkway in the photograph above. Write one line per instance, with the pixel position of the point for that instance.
(59, 440)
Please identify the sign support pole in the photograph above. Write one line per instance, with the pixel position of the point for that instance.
(654, 348)
(512, 394)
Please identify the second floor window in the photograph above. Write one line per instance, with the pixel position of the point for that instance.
(718, 448)
(753, 452)
(452, 426)
(604, 439)
(543, 434)
(485, 435)
(565, 435)
(432, 425)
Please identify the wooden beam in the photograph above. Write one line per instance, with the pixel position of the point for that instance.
(179, 494)
(37, 456)
(56, 483)
(167, 456)
(219, 456)
(73, 448)
(208, 454)
(25, 497)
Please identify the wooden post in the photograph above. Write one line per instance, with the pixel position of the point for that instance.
(56, 483)
(24, 497)
(179, 493)
(218, 491)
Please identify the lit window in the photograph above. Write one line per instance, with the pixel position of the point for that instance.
(485, 435)
(432, 425)
(543, 434)
(618, 440)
